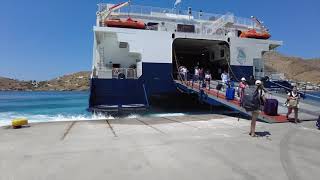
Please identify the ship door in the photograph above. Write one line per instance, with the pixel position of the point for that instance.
(258, 67)
(210, 55)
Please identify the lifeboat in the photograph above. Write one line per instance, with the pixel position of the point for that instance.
(128, 23)
(254, 34)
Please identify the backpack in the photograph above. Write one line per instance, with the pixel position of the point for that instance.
(251, 99)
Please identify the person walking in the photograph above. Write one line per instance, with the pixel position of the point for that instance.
(225, 78)
(208, 78)
(251, 80)
(180, 69)
(242, 86)
(258, 96)
(293, 103)
(185, 73)
(196, 74)
(201, 75)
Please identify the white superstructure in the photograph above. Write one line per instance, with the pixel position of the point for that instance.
(170, 38)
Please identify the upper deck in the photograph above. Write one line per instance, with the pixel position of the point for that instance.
(168, 19)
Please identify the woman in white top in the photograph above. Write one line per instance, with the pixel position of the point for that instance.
(196, 74)
(208, 77)
(225, 78)
(293, 103)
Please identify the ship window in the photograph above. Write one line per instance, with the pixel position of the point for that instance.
(212, 56)
(123, 45)
(115, 65)
(239, 33)
(186, 28)
(152, 26)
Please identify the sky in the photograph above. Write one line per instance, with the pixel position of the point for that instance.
(43, 39)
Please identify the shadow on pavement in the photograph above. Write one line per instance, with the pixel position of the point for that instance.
(263, 134)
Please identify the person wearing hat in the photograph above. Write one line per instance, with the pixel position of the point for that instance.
(293, 103)
(242, 85)
(260, 90)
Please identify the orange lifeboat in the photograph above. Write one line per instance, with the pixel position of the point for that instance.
(128, 23)
(254, 34)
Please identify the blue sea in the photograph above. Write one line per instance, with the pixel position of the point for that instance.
(50, 106)
(68, 106)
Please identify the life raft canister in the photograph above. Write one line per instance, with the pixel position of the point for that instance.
(19, 122)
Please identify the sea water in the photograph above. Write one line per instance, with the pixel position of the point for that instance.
(69, 106)
(51, 106)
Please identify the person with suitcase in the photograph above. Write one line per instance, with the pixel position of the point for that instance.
(252, 101)
(293, 103)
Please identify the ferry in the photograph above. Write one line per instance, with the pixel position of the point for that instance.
(138, 50)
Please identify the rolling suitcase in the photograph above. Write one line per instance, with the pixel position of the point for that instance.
(230, 93)
(219, 87)
(271, 107)
(204, 85)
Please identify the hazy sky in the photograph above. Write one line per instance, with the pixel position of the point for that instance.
(42, 39)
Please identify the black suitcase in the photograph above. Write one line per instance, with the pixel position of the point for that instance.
(204, 85)
(271, 107)
(219, 87)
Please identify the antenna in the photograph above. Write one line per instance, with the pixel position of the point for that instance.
(200, 14)
(189, 12)
(129, 11)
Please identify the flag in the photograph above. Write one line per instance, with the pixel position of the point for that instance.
(177, 2)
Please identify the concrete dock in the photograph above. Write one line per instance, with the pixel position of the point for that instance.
(186, 147)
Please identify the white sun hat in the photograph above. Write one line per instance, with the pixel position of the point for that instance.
(243, 79)
(258, 82)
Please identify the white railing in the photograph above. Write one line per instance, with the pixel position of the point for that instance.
(275, 75)
(222, 21)
(154, 11)
(124, 73)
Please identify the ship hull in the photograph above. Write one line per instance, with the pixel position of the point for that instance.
(130, 94)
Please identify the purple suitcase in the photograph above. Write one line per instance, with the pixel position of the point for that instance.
(271, 107)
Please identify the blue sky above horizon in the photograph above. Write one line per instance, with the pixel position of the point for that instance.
(45, 39)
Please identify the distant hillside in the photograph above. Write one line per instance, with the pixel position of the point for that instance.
(294, 68)
(12, 84)
(77, 81)
(73, 82)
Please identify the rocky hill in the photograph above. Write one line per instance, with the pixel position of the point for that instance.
(73, 82)
(12, 84)
(294, 68)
